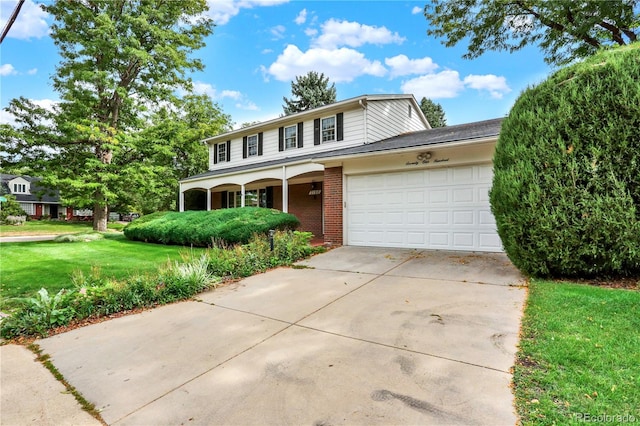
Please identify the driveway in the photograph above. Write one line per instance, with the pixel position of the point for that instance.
(354, 336)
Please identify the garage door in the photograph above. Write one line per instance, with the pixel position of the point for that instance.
(446, 208)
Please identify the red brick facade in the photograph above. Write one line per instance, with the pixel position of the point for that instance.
(332, 193)
(307, 208)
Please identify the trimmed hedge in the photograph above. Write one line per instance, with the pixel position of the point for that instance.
(566, 187)
(206, 228)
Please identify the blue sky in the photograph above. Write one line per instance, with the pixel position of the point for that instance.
(259, 46)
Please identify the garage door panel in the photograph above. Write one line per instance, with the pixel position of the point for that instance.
(446, 208)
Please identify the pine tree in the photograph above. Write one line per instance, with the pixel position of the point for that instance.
(309, 91)
(433, 112)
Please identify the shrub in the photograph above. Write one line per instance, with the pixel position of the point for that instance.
(566, 187)
(79, 237)
(11, 212)
(202, 228)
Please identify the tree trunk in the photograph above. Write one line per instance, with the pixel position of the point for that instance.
(100, 213)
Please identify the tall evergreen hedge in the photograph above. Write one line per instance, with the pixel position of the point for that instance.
(566, 187)
(203, 228)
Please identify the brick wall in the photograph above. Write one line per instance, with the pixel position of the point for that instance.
(307, 208)
(332, 193)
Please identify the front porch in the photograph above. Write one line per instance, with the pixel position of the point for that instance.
(296, 189)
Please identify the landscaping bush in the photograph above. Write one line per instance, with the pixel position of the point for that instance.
(202, 228)
(11, 212)
(566, 187)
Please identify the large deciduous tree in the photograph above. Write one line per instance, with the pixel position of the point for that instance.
(434, 113)
(565, 30)
(309, 91)
(118, 59)
(168, 149)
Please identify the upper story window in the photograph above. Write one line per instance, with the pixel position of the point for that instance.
(222, 152)
(290, 137)
(329, 129)
(252, 145)
(19, 188)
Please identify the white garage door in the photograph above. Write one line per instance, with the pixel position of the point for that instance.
(446, 208)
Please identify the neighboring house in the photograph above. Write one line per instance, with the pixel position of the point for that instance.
(34, 199)
(366, 171)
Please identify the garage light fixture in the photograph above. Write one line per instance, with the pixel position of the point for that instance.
(314, 191)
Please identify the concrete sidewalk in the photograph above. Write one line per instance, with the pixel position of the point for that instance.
(363, 336)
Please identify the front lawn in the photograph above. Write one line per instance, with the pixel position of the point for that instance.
(579, 355)
(43, 227)
(27, 267)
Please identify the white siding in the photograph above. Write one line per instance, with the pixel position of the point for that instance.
(389, 118)
(384, 118)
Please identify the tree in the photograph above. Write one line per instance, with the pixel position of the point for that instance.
(434, 113)
(168, 149)
(309, 91)
(565, 30)
(566, 186)
(119, 58)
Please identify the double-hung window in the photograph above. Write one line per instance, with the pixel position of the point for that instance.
(19, 188)
(328, 129)
(222, 152)
(291, 137)
(252, 145)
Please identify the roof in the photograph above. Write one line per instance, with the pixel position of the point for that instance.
(325, 109)
(442, 135)
(39, 194)
(461, 132)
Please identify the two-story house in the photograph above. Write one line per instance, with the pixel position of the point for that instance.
(365, 171)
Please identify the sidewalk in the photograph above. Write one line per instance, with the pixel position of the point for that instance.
(31, 395)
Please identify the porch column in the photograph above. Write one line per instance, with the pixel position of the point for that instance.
(209, 199)
(242, 195)
(285, 190)
(181, 201)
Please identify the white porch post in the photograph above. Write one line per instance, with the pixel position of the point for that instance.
(242, 195)
(181, 201)
(285, 190)
(208, 199)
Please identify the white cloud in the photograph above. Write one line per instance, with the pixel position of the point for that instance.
(48, 104)
(32, 71)
(496, 86)
(233, 94)
(31, 22)
(445, 84)
(247, 105)
(311, 32)
(340, 65)
(241, 100)
(7, 69)
(353, 34)
(221, 11)
(402, 65)
(416, 10)
(278, 31)
(302, 17)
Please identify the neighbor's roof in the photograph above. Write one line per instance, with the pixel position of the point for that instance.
(442, 135)
(39, 194)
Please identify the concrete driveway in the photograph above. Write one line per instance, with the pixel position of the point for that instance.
(357, 336)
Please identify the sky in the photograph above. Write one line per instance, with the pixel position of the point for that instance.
(258, 47)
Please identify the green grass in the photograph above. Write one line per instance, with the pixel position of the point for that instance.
(27, 267)
(41, 227)
(579, 355)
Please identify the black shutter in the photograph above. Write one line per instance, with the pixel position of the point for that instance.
(300, 130)
(244, 147)
(228, 150)
(225, 199)
(339, 126)
(215, 154)
(260, 138)
(269, 197)
(316, 131)
(281, 139)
